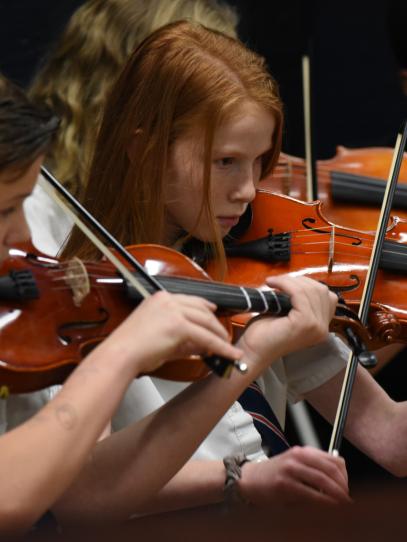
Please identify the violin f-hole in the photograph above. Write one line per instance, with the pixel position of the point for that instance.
(306, 222)
(67, 338)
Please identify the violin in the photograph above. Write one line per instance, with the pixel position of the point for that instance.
(350, 185)
(288, 236)
(66, 309)
(53, 313)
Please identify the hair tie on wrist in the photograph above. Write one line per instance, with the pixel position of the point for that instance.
(233, 467)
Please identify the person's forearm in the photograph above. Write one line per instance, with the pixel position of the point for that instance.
(131, 466)
(376, 424)
(393, 447)
(198, 483)
(39, 459)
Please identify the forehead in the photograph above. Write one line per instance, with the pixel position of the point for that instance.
(247, 130)
(251, 126)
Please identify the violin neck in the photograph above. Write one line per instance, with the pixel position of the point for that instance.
(229, 299)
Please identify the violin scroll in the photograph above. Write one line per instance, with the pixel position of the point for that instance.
(385, 326)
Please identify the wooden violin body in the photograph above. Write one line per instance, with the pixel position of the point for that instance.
(52, 314)
(311, 246)
(350, 185)
(43, 339)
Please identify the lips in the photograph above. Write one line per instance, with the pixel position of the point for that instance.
(228, 221)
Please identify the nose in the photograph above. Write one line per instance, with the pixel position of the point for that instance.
(245, 190)
(17, 230)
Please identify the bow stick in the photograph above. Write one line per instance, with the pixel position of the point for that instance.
(310, 165)
(218, 364)
(350, 374)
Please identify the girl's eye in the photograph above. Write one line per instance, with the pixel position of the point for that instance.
(7, 212)
(226, 161)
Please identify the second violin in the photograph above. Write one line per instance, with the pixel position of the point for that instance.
(294, 237)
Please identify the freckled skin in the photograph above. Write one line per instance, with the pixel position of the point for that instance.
(239, 145)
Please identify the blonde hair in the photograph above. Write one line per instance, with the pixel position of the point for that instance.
(96, 43)
(181, 78)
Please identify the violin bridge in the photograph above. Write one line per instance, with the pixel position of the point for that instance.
(331, 250)
(77, 278)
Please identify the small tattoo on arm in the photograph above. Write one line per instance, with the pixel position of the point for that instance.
(66, 416)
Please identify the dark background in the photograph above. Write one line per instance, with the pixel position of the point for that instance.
(358, 49)
(357, 94)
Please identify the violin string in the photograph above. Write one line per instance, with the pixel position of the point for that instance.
(200, 288)
(307, 232)
(98, 269)
(79, 276)
(394, 248)
(352, 235)
(97, 287)
(231, 292)
(326, 253)
(194, 287)
(318, 229)
(294, 246)
(191, 283)
(68, 264)
(337, 243)
(402, 252)
(339, 232)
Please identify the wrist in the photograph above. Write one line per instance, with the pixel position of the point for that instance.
(255, 360)
(112, 355)
(233, 474)
(245, 483)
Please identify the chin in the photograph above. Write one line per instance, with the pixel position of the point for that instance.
(204, 238)
(208, 237)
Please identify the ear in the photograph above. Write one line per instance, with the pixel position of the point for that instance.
(133, 148)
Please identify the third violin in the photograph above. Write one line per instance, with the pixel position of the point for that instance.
(350, 185)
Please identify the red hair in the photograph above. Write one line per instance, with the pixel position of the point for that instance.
(181, 77)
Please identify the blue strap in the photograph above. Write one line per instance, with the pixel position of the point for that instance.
(264, 419)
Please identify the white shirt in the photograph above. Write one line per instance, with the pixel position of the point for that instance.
(287, 379)
(49, 225)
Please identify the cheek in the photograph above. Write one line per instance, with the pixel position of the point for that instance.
(191, 191)
(216, 193)
(221, 188)
(3, 247)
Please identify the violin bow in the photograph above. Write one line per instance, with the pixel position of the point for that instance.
(221, 366)
(311, 170)
(350, 374)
